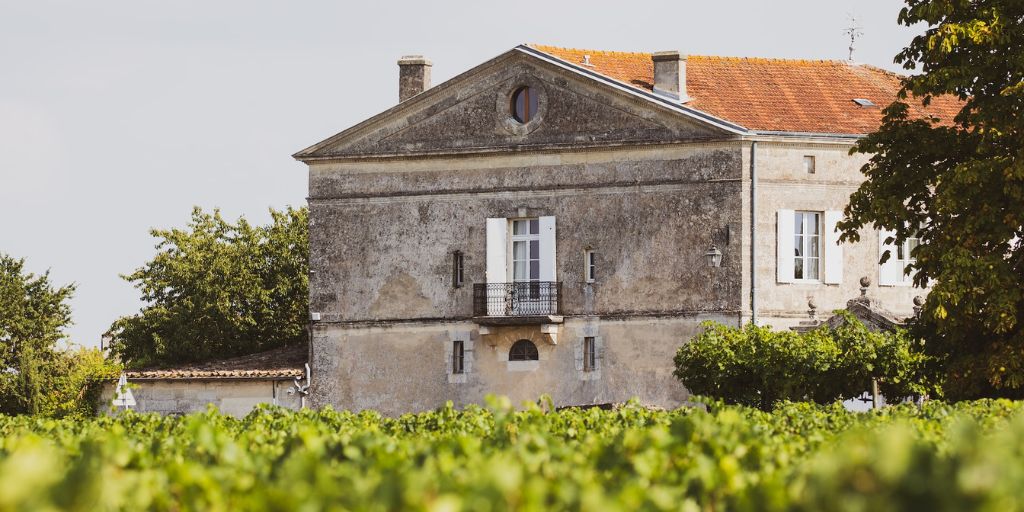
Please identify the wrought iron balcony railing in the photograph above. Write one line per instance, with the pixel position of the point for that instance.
(533, 298)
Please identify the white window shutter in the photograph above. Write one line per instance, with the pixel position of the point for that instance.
(784, 242)
(547, 249)
(890, 273)
(497, 250)
(833, 251)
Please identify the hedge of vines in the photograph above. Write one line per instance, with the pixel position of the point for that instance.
(968, 456)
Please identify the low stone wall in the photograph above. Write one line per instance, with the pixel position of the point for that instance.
(183, 396)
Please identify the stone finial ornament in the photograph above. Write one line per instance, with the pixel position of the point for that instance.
(865, 283)
(918, 305)
(812, 308)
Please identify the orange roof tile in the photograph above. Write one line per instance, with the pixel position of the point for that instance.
(283, 362)
(814, 96)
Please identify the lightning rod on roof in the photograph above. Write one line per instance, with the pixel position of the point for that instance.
(854, 31)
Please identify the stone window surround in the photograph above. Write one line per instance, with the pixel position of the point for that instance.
(589, 330)
(504, 99)
(468, 355)
(523, 366)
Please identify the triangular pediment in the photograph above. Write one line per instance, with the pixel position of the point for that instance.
(472, 112)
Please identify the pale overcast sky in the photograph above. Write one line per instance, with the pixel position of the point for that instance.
(120, 116)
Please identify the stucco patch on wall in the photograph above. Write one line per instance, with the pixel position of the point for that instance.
(404, 290)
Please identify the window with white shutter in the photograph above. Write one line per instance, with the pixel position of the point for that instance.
(808, 249)
(833, 250)
(497, 250)
(497, 269)
(893, 271)
(548, 265)
(784, 246)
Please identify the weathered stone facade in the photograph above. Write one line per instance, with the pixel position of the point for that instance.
(647, 186)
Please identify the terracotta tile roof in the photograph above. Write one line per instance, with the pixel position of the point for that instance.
(281, 362)
(770, 94)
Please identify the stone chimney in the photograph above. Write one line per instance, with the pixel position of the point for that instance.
(670, 75)
(413, 76)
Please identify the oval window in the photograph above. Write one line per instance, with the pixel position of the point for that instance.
(524, 105)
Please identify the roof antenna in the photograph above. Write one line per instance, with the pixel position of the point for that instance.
(854, 31)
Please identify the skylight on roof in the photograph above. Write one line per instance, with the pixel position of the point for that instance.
(864, 102)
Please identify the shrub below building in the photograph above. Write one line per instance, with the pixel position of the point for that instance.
(759, 366)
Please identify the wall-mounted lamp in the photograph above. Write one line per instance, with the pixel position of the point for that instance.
(713, 257)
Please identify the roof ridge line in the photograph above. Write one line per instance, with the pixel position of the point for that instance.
(591, 51)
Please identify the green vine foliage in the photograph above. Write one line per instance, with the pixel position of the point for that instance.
(938, 457)
(758, 366)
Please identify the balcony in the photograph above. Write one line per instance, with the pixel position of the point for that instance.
(525, 303)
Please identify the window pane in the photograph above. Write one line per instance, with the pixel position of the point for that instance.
(533, 104)
(798, 246)
(813, 246)
(900, 252)
(798, 223)
(519, 249)
(534, 270)
(519, 227)
(813, 223)
(798, 268)
(911, 245)
(519, 271)
(520, 114)
(534, 249)
(812, 268)
(535, 227)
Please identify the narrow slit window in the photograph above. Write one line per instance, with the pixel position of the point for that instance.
(457, 269)
(809, 164)
(590, 264)
(589, 354)
(458, 357)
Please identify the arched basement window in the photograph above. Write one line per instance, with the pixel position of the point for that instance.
(523, 350)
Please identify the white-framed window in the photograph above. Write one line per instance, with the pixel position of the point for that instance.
(590, 265)
(809, 164)
(525, 250)
(894, 271)
(589, 353)
(905, 251)
(807, 246)
(521, 256)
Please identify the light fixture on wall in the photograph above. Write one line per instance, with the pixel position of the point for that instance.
(713, 257)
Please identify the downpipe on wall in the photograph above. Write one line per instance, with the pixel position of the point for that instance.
(303, 389)
(753, 232)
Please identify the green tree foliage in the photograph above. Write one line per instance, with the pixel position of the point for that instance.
(75, 379)
(963, 184)
(219, 289)
(798, 457)
(758, 367)
(33, 316)
(37, 376)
